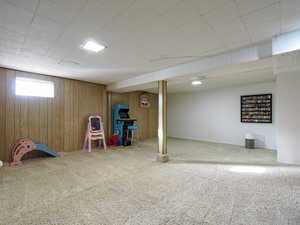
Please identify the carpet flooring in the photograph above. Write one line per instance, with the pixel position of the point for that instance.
(203, 184)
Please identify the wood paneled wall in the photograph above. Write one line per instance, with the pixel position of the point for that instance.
(58, 122)
(147, 118)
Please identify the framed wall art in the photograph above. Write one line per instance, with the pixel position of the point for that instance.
(256, 108)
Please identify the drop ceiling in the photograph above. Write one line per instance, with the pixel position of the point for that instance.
(141, 36)
(224, 77)
(217, 82)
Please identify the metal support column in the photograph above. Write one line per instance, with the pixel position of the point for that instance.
(162, 122)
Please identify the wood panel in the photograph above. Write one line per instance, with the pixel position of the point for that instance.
(58, 122)
(3, 92)
(147, 118)
(10, 112)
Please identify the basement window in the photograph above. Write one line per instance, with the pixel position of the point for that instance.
(34, 87)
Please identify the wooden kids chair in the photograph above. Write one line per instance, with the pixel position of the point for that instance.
(94, 132)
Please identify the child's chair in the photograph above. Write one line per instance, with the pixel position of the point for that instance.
(132, 129)
(94, 132)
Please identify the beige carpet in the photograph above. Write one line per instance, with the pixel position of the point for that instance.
(204, 183)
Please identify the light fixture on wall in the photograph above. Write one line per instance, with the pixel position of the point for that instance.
(93, 46)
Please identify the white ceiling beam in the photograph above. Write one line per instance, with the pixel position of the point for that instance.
(286, 62)
(286, 43)
(230, 58)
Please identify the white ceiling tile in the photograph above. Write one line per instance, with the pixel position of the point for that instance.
(290, 23)
(263, 24)
(14, 18)
(226, 22)
(222, 16)
(163, 7)
(62, 11)
(270, 13)
(45, 29)
(290, 15)
(249, 6)
(126, 24)
(205, 6)
(198, 40)
(8, 49)
(151, 33)
(234, 33)
(154, 6)
(234, 26)
(97, 13)
(183, 14)
(290, 6)
(10, 43)
(29, 5)
(8, 35)
(35, 45)
(265, 31)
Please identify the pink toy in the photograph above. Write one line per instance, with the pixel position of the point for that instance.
(24, 145)
(94, 132)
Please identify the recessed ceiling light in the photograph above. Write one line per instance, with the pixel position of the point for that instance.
(196, 82)
(93, 46)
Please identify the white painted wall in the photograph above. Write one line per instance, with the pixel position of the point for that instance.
(288, 111)
(214, 115)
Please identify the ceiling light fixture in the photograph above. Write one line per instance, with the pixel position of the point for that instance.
(196, 82)
(93, 46)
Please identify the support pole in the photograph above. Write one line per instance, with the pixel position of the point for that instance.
(109, 114)
(162, 122)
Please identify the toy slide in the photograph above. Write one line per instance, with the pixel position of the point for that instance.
(44, 148)
(26, 145)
